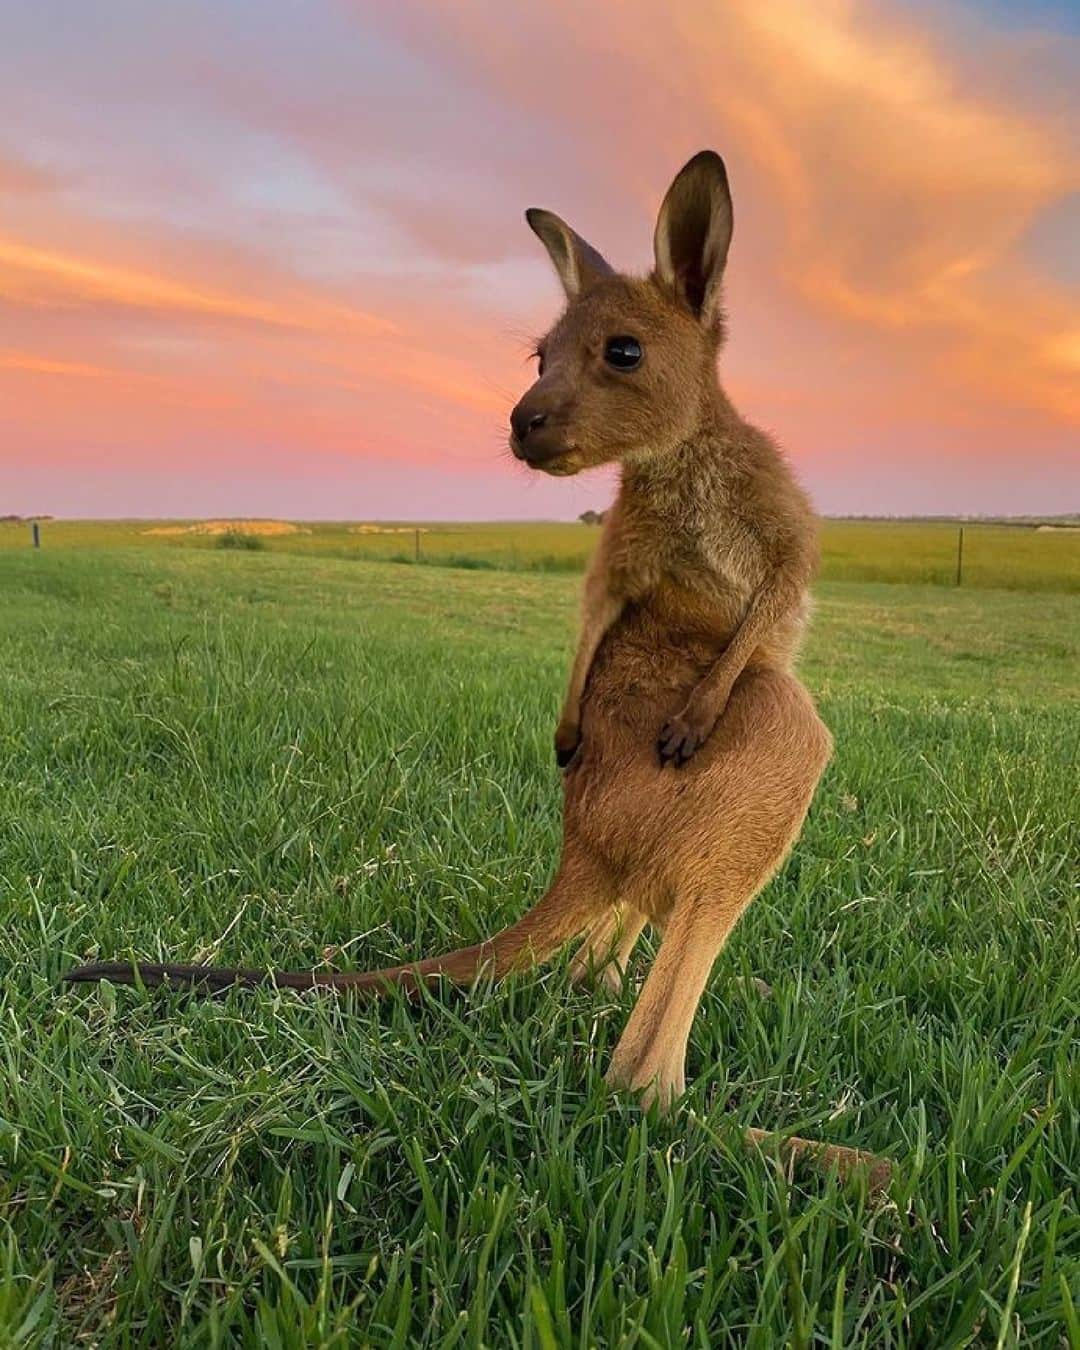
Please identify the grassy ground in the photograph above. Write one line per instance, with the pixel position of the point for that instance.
(282, 759)
(917, 552)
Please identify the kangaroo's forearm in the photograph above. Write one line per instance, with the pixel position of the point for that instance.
(683, 734)
(768, 607)
(597, 620)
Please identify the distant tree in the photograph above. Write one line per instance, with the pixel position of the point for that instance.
(591, 517)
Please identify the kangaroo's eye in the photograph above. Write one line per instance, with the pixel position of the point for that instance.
(624, 353)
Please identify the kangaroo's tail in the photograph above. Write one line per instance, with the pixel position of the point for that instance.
(563, 912)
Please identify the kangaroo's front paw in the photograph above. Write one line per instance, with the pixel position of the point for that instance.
(567, 743)
(684, 735)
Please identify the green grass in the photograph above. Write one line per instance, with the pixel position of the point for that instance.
(1012, 557)
(280, 759)
(238, 539)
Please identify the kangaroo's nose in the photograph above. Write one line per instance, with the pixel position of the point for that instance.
(522, 421)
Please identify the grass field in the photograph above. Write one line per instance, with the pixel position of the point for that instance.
(918, 552)
(276, 758)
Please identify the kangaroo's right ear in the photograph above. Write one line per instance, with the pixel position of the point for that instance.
(693, 232)
(578, 264)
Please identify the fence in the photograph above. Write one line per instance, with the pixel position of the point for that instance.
(971, 555)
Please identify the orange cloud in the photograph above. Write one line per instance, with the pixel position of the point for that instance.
(877, 186)
(907, 196)
(34, 276)
(38, 365)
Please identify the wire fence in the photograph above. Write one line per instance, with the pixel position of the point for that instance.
(968, 554)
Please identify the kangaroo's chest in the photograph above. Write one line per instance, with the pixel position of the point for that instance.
(694, 581)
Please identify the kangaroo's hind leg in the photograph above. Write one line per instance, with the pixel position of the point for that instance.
(606, 949)
(651, 1053)
(736, 821)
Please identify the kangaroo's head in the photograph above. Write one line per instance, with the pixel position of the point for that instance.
(624, 372)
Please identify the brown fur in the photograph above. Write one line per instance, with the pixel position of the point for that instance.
(691, 750)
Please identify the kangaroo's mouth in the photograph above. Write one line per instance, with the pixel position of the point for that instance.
(562, 466)
(555, 458)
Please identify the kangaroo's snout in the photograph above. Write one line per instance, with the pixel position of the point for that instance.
(538, 430)
(523, 422)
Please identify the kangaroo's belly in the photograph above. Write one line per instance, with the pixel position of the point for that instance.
(658, 650)
(619, 802)
(642, 671)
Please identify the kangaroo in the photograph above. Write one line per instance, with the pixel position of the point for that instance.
(690, 752)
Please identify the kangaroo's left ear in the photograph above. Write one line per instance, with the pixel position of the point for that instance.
(578, 264)
(693, 231)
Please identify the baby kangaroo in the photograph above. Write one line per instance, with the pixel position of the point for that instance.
(691, 752)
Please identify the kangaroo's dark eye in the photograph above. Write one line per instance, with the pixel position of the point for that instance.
(624, 353)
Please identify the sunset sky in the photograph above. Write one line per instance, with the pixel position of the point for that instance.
(267, 257)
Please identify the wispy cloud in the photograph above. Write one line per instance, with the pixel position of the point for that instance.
(38, 278)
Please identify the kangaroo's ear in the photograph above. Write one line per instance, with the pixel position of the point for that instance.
(693, 231)
(578, 264)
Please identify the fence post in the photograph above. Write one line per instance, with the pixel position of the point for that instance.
(960, 556)
(35, 530)
(417, 533)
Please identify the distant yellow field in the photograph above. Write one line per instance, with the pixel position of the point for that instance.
(1014, 557)
(219, 527)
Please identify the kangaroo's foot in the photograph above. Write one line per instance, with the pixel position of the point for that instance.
(603, 955)
(659, 1085)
